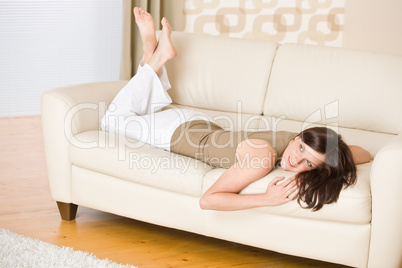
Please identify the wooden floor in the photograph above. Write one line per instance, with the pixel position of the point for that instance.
(27, 208)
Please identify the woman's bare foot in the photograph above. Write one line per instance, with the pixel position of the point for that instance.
(165, 49)
(146, 25)
(165, 44)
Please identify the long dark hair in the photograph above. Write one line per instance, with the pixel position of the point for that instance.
(323, 184)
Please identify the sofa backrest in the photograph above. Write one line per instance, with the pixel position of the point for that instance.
(220, 73)
(355, 89)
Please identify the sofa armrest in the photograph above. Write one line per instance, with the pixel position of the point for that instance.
(386, 190)
(66, 112)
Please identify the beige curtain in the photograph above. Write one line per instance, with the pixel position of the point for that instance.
(132, 45)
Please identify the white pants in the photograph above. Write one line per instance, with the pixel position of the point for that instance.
(136, 110)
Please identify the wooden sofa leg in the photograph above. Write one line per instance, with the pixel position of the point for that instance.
(68, 211)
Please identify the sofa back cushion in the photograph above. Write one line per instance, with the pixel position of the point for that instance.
(353, 89)
(220, 73)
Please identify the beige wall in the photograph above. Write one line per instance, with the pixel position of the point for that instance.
(363, 24)
(374, 25)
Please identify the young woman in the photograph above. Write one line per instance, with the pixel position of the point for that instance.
(323, 162)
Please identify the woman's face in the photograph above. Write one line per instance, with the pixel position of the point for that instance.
(300, 157)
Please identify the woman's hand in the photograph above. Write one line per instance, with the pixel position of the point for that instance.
(281, 191)
(224, 194)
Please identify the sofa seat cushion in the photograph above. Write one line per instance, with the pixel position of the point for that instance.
(353, 206)
(140, 163)
(137, 162)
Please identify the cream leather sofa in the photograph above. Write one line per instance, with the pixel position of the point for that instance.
(244, 84)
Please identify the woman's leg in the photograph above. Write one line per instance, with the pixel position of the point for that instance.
(165, 50)
(146, 26)
(156, 54)
(146, 91)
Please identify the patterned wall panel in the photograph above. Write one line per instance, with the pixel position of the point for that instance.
(287, 21)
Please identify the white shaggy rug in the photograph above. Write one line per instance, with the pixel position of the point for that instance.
(19, 251)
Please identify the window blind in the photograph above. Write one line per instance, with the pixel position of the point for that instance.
(49, 44)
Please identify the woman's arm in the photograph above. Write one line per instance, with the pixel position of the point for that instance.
(253, 163)
(360, 155)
